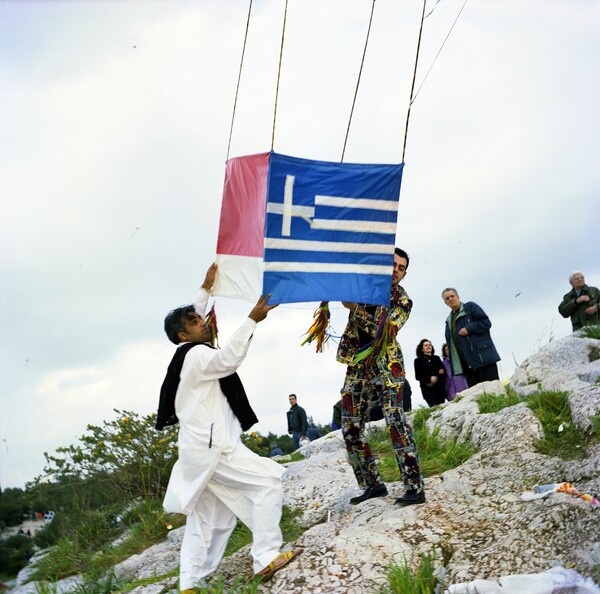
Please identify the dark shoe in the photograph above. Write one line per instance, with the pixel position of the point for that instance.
(377, 491)
(411, 497)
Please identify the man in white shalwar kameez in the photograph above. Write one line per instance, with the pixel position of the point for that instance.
(216, 477)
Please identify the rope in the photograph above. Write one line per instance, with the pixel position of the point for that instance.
(358, 81)
(279, 74)
(238, 80)
(440, 50)
(413, 81)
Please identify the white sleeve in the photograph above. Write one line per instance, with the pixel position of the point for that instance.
(201, 302)
(212, 364)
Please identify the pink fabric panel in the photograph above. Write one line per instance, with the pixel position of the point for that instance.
(242, 224)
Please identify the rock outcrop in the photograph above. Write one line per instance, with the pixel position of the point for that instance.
(474, 521)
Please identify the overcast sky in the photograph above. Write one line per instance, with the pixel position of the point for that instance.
(114, 122)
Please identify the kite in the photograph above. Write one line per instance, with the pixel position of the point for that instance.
(305, 230)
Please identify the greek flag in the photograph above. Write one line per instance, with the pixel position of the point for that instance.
(329, 229)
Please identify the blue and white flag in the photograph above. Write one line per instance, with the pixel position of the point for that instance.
(330, 230)
(328, 235)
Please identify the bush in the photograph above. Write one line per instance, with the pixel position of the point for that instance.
(15, 552)
(125, 458)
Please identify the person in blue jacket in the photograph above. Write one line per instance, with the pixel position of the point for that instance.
(472, 351)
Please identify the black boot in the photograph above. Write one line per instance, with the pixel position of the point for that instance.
(412, 497)
(370, 492)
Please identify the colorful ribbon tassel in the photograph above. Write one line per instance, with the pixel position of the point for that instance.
(318, 330)
(385, 335)
(211, 322)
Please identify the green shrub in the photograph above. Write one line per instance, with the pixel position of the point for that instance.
(126, 457)
(15, 552)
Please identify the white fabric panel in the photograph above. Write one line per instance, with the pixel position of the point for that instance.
(239, 277)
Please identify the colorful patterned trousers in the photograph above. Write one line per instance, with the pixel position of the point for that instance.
(360, 387)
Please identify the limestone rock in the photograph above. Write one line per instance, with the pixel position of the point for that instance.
(558, 363)
(584, 404)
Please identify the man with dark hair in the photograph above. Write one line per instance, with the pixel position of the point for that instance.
(472, 351)
(381, 374)
(297, 422)
(581, 303)
(216, 477)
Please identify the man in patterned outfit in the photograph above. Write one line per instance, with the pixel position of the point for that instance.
(385, 377)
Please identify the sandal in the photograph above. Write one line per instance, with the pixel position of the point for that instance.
(280, 561)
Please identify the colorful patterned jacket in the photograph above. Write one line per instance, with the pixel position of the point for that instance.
(366, 319)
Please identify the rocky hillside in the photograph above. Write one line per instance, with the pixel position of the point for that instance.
(474, 520)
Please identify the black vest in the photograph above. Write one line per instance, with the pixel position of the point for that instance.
(231, 386)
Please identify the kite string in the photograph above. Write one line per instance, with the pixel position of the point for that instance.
(413, 81)
(439, 51)
(237, 89)
(279, 74)
(358, 81)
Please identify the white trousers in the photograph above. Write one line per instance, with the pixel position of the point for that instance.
(235, 489)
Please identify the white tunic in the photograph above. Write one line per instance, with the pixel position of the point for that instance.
(209, 432)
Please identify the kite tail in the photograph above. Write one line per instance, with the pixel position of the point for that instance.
(570, 488)
(318, 330)
(211, 322)
(385, 335)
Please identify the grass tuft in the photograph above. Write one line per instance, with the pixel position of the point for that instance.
(436, 455)
(403, 580)
(561, 436)
(491, 403)
(591, 331)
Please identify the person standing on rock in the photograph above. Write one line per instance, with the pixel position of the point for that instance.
(216, 477)
(581, 303)
(472, 351)
(382, 371)
(430, 373)
(297, 422)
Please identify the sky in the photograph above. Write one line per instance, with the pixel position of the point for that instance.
(114, 125)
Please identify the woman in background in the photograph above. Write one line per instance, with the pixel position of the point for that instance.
(430, 372)
(454, 383)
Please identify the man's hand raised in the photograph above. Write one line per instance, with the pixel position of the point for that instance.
(261, 309)
(209, 279)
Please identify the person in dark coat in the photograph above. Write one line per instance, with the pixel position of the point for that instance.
(297, 422)
(581, 303)
(472, 351)
(430, 373)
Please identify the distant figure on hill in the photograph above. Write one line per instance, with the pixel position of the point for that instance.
(297, 422)
(216, 477)
(430, 372)
(581, 303)
(336, 421)
(275, 450)
(454, 383)
(472, 351)
(312, 433)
